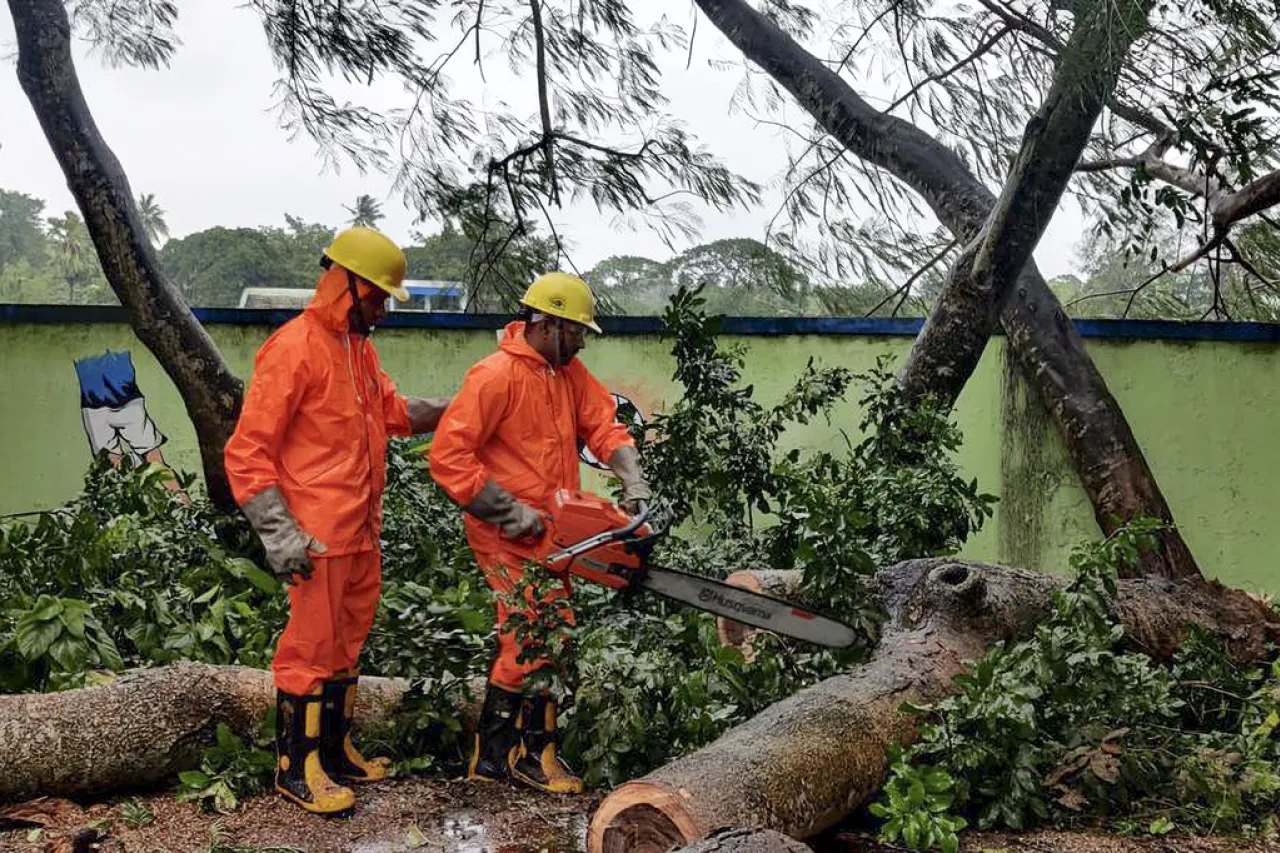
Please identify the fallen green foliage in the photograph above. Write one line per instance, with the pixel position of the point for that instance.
(1066, 728)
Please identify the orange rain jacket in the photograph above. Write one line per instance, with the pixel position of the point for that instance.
(518, 421)
(315, 420)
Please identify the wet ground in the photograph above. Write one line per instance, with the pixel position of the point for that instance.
(438, 817)
(403, 815)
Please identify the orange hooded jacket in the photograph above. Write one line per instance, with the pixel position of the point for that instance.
(518, 421)
(315, 421)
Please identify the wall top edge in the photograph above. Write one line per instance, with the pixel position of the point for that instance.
(750, 326)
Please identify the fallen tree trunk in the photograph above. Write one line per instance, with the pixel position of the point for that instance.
(149, 724)
(806, 762)
(746, 841)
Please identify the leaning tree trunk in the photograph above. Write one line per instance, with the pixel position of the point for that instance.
(803, 764)
(150, 724)
(1103, 449)
(158, 313)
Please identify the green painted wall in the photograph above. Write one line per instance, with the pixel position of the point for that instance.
(1203, 413)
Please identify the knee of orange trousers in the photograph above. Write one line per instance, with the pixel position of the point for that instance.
(359, 606)
(314, 646)
(503, 572)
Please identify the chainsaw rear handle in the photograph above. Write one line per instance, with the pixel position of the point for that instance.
(604, 537)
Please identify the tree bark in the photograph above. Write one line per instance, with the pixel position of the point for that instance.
(159, 315)
(148, 725)
(808, 761)
(746, 841)
(1102, 447)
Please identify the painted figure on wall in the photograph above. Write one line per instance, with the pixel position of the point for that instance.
(114, 411)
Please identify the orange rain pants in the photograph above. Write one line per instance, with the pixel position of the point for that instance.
(519, 422)
(315, 422)
(329, 619)
(503, 571)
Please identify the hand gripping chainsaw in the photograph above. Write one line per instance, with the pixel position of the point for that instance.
(591, 538)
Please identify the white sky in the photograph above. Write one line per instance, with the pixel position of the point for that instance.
(202, 136)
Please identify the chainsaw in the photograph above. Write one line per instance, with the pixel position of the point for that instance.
(592, 538)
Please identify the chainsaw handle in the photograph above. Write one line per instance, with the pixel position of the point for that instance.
(637, 519)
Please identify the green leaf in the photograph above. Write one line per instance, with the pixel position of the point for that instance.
(47, 608)
(73, 618)
(69, 653)
(247, 570)
(35, 637)
(194, 780)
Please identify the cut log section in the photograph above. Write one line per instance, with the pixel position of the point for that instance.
(779, 583)
(808, 761)
(746, 841)
(149, 724)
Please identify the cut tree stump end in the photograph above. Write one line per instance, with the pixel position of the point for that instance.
(643, 817)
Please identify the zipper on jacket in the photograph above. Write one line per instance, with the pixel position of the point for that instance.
(368, 441)
(551, 398)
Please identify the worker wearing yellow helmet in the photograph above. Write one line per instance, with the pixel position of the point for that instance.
(506, 444)
(307, 464)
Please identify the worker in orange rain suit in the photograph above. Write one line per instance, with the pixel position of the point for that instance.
(505, 445)
(307, 464)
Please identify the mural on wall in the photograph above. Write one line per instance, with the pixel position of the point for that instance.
(114, 411)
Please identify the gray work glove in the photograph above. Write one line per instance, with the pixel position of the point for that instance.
(425, 413)
(285, 542)
(496, 505)
(625, 463)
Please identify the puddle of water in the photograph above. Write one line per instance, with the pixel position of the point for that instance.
(466, 833)
(463, 832)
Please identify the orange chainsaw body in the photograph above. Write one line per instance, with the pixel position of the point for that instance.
(576, 516)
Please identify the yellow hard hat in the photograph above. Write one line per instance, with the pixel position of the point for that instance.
(373, 256)
(561, 294)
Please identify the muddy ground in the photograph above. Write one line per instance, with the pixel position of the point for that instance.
(439, 817)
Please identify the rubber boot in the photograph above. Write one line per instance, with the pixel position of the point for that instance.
(338, 755)
(300, 776)
(537, 764)
(496, 736)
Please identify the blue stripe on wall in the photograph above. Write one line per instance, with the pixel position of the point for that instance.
(852, 326)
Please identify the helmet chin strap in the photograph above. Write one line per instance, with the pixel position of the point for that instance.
(355, 317)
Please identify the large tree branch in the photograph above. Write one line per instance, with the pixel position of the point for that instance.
(934, 171)
(1196, 183)
(1084, 79)
(1253, 198)
(544, 101)
(157, 312)
(1048, 347)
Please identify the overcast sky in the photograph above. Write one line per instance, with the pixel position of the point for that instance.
(201, 136)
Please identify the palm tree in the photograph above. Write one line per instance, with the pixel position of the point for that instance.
(366, 212)
(152, 214)
(71, 249)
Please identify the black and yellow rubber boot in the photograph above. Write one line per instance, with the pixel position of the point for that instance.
(496, 736)
(300, 776)
(340, 758)
(537, 764)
